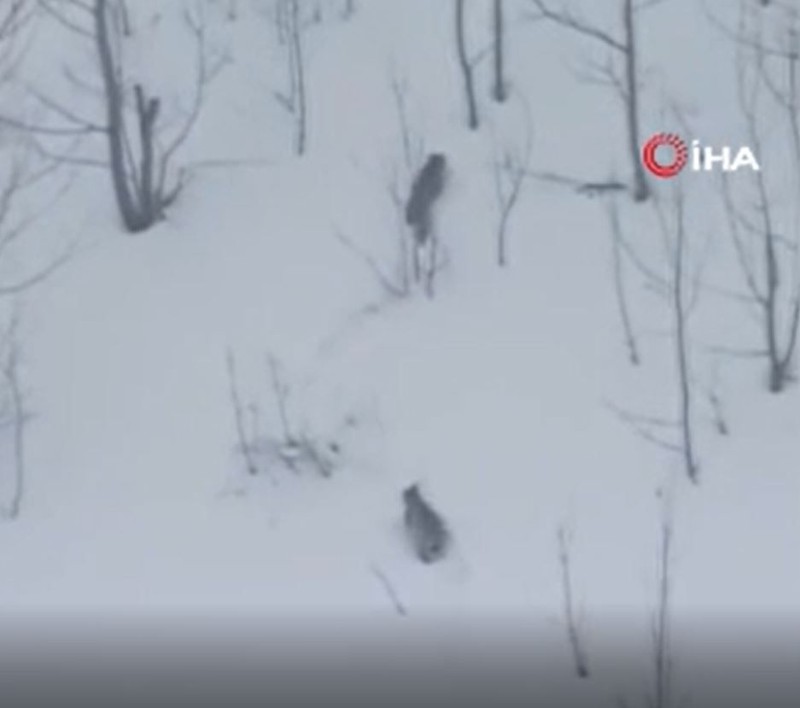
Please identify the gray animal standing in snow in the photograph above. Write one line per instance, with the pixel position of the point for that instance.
(425, 527)
(427, 188)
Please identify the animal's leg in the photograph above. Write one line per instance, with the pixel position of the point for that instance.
(430, 275)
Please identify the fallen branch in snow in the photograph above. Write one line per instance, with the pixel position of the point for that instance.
(390, 591)
(573, 635)
(585, 187)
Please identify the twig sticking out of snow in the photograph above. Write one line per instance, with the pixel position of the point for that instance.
(398, 605)
(573, 634)
(245, 446)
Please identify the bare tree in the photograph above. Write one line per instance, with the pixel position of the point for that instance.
(769, 86)
(579, 656)
(141, 154)
(680, 305)
(620, 289)
(662, 692)
(679, 289)
(499, 88)
(466, 64)
(141, 185)
(511, 165)
(291, 29)
(626, 85)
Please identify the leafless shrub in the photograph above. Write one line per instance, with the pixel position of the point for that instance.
(679, 289)
(511, 166)
(287, 444)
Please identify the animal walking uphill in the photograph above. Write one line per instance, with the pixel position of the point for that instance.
(426, 189)
(427, 531)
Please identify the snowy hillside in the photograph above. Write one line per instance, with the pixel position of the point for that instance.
(271, 319)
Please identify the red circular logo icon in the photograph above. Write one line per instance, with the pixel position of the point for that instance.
(679, 148)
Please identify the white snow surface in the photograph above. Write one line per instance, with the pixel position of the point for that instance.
(495, 395)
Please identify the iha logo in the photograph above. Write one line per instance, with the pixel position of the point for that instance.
(702, 158)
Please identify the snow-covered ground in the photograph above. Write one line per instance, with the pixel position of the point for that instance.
(497, 395)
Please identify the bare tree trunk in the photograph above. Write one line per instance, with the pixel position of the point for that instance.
(134, 218)
(641, 189)
(679, 309)
(466, 68)
(579, 656)
(779, 363)
(296, 47)
(662, 655)
(289, 24)
(147, 111)
(619, 286)
(499, 91)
